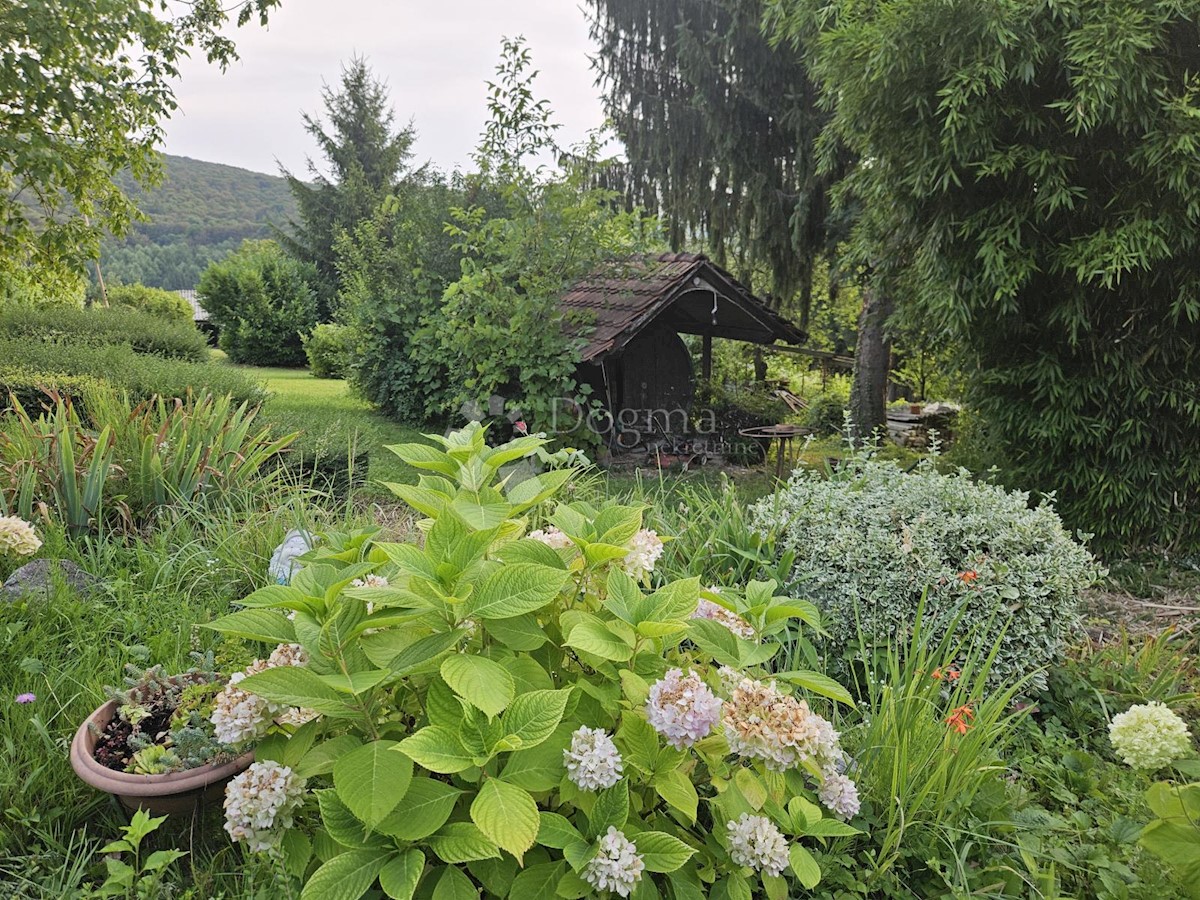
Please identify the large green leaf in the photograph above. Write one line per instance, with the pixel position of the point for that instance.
(538, 882)
(461, 842)
(804, 867)
(611, 809)
(296, 686)
(532, 717)
(426, 807)
(268, 625)
(662, 852)
(455, 885)
(347, 876)
(539, 768)
(343, 826)
(438, 749)
(677, 789)
(818, 684)
(514, 590)
(556, 831)
(594, 637)
(399, 878)
(480, 681)
(506, 814)
(372, 780)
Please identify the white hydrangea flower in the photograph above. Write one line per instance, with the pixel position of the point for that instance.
(239, 717)
(1149, 736)
(839, 794)
(756, 842)
(617, 866)
(706, 609)
(296, 716)
(260, 804)
(682, 708)
(763, 723)
(18, 537)
(644, 551)
(593, 761)
(372, 581)
(551, 537)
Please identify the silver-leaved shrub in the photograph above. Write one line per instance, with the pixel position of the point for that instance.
(503, 711)
(869, 541)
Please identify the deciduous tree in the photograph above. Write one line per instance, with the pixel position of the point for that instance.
(1034, 169)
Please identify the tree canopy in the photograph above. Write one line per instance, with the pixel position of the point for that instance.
(719, 128)
(85, 86)
(1031, 172)
(365, 157)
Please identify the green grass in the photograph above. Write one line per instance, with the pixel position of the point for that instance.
(65, 649)
(324, 411)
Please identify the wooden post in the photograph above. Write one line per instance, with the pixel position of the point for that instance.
(706, 360)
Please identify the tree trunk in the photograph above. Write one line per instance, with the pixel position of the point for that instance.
(868, 407)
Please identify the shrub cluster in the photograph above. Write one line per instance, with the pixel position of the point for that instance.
(145, 332)
(329, 349)
(873, 539)
(511, 711)
(28, 365)
(261, 301)
(165, 304)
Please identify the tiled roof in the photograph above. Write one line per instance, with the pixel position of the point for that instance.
(619, 301)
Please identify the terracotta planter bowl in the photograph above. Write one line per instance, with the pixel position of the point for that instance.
(179, 792)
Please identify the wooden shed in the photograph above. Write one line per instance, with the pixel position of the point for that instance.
(632, 313)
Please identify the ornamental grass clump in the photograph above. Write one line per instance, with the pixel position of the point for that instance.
(870, 541)
(509, 712)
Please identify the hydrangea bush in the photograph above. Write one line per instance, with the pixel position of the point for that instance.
(871, 540)
(513, 713)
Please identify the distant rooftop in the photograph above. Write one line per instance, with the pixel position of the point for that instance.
(199, 313)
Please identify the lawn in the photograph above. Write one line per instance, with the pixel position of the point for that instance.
(324, 410)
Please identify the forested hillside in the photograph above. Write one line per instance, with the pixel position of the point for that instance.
(201, 212)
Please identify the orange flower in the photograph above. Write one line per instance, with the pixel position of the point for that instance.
(938, 674)
(959, 719)
(968, 576)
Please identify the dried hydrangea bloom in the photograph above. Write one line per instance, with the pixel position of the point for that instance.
(18, 537)
(287, 655)
(706, 609)
(616, 867)
(763, 723)
(260, 804)
(592, 761)
(296, 716)
(756, 842)
(1149, 736)
(644, 551)
(551, 537)
(682, 708)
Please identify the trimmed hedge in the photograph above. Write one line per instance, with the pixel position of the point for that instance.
(164, 304)
(68, 328)
(29, 365)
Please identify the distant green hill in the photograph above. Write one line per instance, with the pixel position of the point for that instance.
(201, 213)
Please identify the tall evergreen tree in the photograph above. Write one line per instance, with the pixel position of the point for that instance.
(720, 131)
(365, 156)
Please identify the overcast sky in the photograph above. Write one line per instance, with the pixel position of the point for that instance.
(435, 57)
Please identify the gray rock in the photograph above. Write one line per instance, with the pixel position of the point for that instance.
(38, 577)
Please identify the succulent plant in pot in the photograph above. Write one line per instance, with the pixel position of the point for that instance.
(166, 743)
